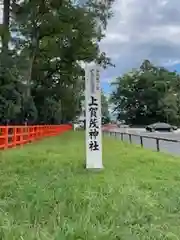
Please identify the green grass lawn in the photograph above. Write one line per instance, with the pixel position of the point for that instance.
(45, 192)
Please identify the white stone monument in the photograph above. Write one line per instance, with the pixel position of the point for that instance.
(93, 118)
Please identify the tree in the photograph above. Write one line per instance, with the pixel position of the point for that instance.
(10, 88)
(146, 95)
(45, 67)
(105, 108)
(169, 107)
(5, 35)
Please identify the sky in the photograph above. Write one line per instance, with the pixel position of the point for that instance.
(142, 29)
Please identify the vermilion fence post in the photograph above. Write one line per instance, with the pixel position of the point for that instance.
(30, 133)
(33, 133)
(2, 137)
(6, 132)
(40, 132)
(27, 134)
(21, 135)
(14, 136)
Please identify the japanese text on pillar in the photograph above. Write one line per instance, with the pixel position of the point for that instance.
(93, 124)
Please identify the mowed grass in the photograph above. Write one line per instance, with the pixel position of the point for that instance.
(46, 193)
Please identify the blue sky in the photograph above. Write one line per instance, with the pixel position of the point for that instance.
(175, 67)
(142, 29)
(106, 86)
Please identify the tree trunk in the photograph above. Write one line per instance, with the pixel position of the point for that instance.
(6, 16)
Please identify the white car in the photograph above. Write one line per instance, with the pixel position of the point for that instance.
(78, 125)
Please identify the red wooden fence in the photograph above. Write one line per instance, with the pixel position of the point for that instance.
(11, 136)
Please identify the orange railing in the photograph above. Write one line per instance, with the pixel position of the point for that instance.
(11, 136)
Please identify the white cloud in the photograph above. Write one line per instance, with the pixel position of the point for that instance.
(142, 29)
(115, 38)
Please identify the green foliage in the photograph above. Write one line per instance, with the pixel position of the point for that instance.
(105, 109)
(52, 38)
(147, 95)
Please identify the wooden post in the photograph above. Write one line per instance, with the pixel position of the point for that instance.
(121, 136)
(157, 144)
(141, 140)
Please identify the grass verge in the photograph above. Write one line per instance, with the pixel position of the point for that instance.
(45, 193)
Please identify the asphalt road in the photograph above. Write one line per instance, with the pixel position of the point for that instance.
(165, 146)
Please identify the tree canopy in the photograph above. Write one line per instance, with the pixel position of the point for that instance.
(44, 44)
(105, 108)
(147, 95)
